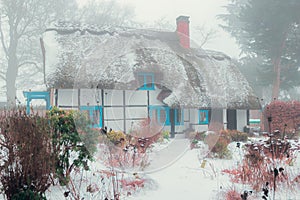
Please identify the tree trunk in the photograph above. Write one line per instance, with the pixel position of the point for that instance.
(11, 75)
(276, 80)
(277, 68)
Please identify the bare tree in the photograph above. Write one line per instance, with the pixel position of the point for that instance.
(21, 24)
(206, 34)
(108, 13)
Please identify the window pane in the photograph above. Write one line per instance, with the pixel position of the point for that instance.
(203, 116)
(154, 115)
(163, 116)
(178, 116)
(96, 117)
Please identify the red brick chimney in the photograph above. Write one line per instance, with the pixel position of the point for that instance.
(183, 31)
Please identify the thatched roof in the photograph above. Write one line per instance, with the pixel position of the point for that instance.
(84, 57)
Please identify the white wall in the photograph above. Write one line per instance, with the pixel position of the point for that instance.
(117, 125)
(136, 112)
(67, 97)
(90, 96)
(194, 115)
(137, 97)
(113, 112)
(201, 128)
(241, 116)
(135, 107)
(113, 97)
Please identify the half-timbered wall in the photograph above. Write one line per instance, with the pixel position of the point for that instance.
(123, 108)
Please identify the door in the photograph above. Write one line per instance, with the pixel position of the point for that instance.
(231, 119)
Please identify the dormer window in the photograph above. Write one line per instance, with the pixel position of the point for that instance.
(146, 81)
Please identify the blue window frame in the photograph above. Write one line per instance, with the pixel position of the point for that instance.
(162, 115)
(94, 114)
(146, 81)
(203, 117)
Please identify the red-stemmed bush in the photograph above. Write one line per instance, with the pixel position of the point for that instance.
(27, 160)
(265, 161)
(284, 117)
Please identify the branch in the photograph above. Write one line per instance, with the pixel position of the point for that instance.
(22, 30)
(2, 39)
(30, 63)
(206, 35)
(2, 77)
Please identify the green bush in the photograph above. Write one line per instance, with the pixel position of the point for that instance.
(28, 194)
(166, 135)
(116, 136)
(72, 134)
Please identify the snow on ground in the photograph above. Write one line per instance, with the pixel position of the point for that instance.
(185, 179)
(176, 173)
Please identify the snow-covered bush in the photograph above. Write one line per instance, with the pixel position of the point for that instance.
(266, 162)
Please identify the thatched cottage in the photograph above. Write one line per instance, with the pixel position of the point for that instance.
(123, 75)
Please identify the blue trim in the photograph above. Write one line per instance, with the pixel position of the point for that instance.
(181, 120)
(166, 109)
(36, 95)
(91, 110)
(201, 114)
(145, 85)
(158, 109)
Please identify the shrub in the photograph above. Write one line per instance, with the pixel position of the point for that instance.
(235, 135)
(285, 117)
(27, 161)
(72, 136)
(218, 145)
(166, 134)
(200, 135)
(232, 195)
(262, 159)
(116, 136)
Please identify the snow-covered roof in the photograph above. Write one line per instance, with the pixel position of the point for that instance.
(81, 56)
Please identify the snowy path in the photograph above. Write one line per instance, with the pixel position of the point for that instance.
(167, 156)
(185, 179)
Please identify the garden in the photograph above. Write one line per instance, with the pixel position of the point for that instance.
(60, 156)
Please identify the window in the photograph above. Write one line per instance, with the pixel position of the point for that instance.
(160, 114)
(179, 117)
(203, 117)
(94, 114)
(146, 81)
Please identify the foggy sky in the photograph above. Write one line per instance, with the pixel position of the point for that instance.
(200, 12)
